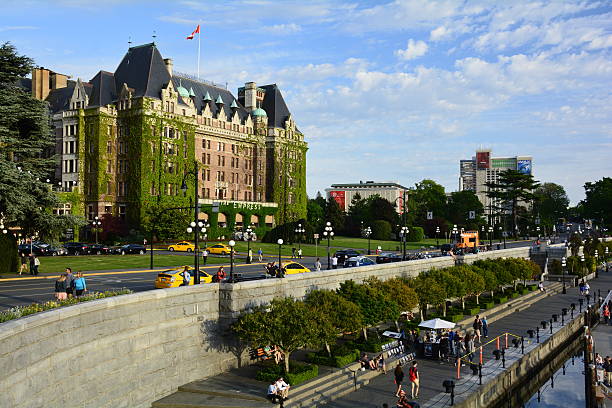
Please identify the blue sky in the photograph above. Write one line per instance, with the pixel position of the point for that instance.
(383, 90)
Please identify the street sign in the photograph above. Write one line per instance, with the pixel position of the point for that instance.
(472, 215)
(429, 215)
(215, 207)
(316, 236)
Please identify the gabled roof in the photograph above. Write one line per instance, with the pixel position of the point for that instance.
(143, 69)
(59, 99)
(103, 89)
(275, 106)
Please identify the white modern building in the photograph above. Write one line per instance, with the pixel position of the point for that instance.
(344, 193)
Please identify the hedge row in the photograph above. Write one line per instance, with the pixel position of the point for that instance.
(297, 375)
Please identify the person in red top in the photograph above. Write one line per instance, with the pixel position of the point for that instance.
(606, 314)
(220, 275)
(413, 376)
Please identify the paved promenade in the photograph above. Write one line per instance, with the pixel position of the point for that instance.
(381, 389)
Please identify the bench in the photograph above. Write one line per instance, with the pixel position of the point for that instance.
(259, 354)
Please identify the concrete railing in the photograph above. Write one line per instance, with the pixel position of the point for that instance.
(134, 349)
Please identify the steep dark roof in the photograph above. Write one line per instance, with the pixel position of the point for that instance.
(275, 106)
(103, 89)
(200, 89)
(25, 83)
(142, 69)
(59, 99)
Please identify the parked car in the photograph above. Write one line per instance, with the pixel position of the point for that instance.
(172, 278)
(40, 249)
(130, 249)
(358, 261)
(294, 267)
(76, 248)
(183, 246)
(444, 248)
(344, 254)
(100, 249)
(386, 257)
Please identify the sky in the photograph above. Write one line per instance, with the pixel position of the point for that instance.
(382, 90)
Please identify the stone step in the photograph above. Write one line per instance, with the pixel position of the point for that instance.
(182, 399)
(325, 395)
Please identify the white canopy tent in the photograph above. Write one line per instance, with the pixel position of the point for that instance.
(437, 324)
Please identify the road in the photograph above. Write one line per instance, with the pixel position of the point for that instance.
(17, 291)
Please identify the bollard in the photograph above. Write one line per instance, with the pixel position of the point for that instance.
(530, 333)
(563, 368)
(503, 358)
(588, 297)
(497, 343)
(452, 396)
(555, 318)
(458, 368)
(562, 320)
(537, 334)
(497, 354)
(544, 323)
(506, 340)
(580, 302)
(522, 345)
(551, 326)
(480, 373)
(481, 355)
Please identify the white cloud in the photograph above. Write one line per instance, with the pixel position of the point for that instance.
(16, 28)
(439, 33)
(283, 28)
(414, 49)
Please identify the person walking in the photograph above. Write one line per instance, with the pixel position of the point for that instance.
(80, 285)
(413, 376)
(477, 326)
(299, 253)
(470, 347)
(260, 255)
(31, 262)
(317, 264)
(293, 253)
(485, 326)
(60, 288)
(398, 375)
(186, 276)
(69, 283)
(220, 275)
(334, 262)
(204, 256)
(24, 263)
(36, 265)
(606, 314)
(250, 256)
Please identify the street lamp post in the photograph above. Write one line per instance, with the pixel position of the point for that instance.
(329, 232)
(437, 240)
(490, 237)
(596, 255)
(503, 234)
(96, 223)
(232, 243)
(606, 258)
(299, 231)
(404, 235)
(367, 232)
(196, 225)
(582, 262)
(563, 264)
(280, 246)
(248, 235)
(455, 231)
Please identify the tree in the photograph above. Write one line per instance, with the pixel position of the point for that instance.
(428, 196)
(452, 286)
(381, 209)
(357, 216)
(315, 214)
(550, 203)
(381, 229)
(598, 201)
(575, 242)
(335, 215)
(512, 189)
(286, 323)
(488, 277)
(343, 315)
(428, 292)
(26, 163)
(397, 290)
(165, 223)
(459, 206)
(474, 284)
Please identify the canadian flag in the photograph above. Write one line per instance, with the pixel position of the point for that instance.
(196, 31)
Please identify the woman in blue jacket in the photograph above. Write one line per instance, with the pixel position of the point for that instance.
(80, 286)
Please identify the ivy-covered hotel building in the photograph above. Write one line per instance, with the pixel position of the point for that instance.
(125, 141)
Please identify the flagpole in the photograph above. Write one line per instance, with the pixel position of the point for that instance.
(199, 34)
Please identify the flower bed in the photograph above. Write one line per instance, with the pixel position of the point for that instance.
(21, 311)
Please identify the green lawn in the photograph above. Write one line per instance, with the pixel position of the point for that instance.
(57, 264)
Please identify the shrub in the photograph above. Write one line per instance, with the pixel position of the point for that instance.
(472, 311)
(455, 318)
(341, 357)
(373, 345)
(501, 299)
(8, 254)
(381, 229)
(532, 287)
(525, 291)
(514, 295)
(297, 375)
(415, 234)
(489, 305)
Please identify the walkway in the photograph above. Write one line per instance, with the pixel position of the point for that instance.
(381, 389)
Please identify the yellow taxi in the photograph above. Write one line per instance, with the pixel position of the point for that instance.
(184, 246)
(172, 278)
(218, 249)
(294, 267)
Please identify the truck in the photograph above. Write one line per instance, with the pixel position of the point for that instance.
(468, 239)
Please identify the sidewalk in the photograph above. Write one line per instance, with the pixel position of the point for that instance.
(382, 390)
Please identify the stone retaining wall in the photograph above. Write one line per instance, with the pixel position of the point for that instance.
(131, 350)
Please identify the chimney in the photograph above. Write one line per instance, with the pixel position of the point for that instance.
(58, 80)
(40, 83)
(169, 64)
(250, 96)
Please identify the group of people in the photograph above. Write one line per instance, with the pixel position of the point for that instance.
(377, 363)
(413, 377)
(274, 270)
(296, 253)
(32, 260)
(69, 285)
(604, 366)
(278, 391)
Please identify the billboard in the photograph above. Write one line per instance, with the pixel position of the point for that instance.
(523, 166)
(340, 198)
(483, 160)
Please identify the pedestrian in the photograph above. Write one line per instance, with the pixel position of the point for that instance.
(609, 370)
(470, 347)
(334, 262)
(250, 256)
(413, 376)
(461, 349)
(451, 342)
(69, 283)
(317, 264)
(485, 326)
(282, 388)
(80, 285)
(293, 253)
(60, 288)
(398, 375)
(444, 348)
(541, 287)
(36, 265)
(299, 252)
(220, 275)
(186, 276)
(272, 394)
(24, 263)
(380, 363)
(260, 255)
(606, 314)
(477, 325)
(204, 256)
(586, 288)
(31, 262)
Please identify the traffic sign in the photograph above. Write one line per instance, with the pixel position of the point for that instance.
(316, 236)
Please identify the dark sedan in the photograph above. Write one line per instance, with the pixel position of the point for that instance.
(76, 248)
(344, 254)
(387, 257)
(130, 249)
(40, 249)
(100, 249)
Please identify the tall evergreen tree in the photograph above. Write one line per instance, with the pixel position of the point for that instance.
(550, 203)
(26, 165)
(513, 189)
